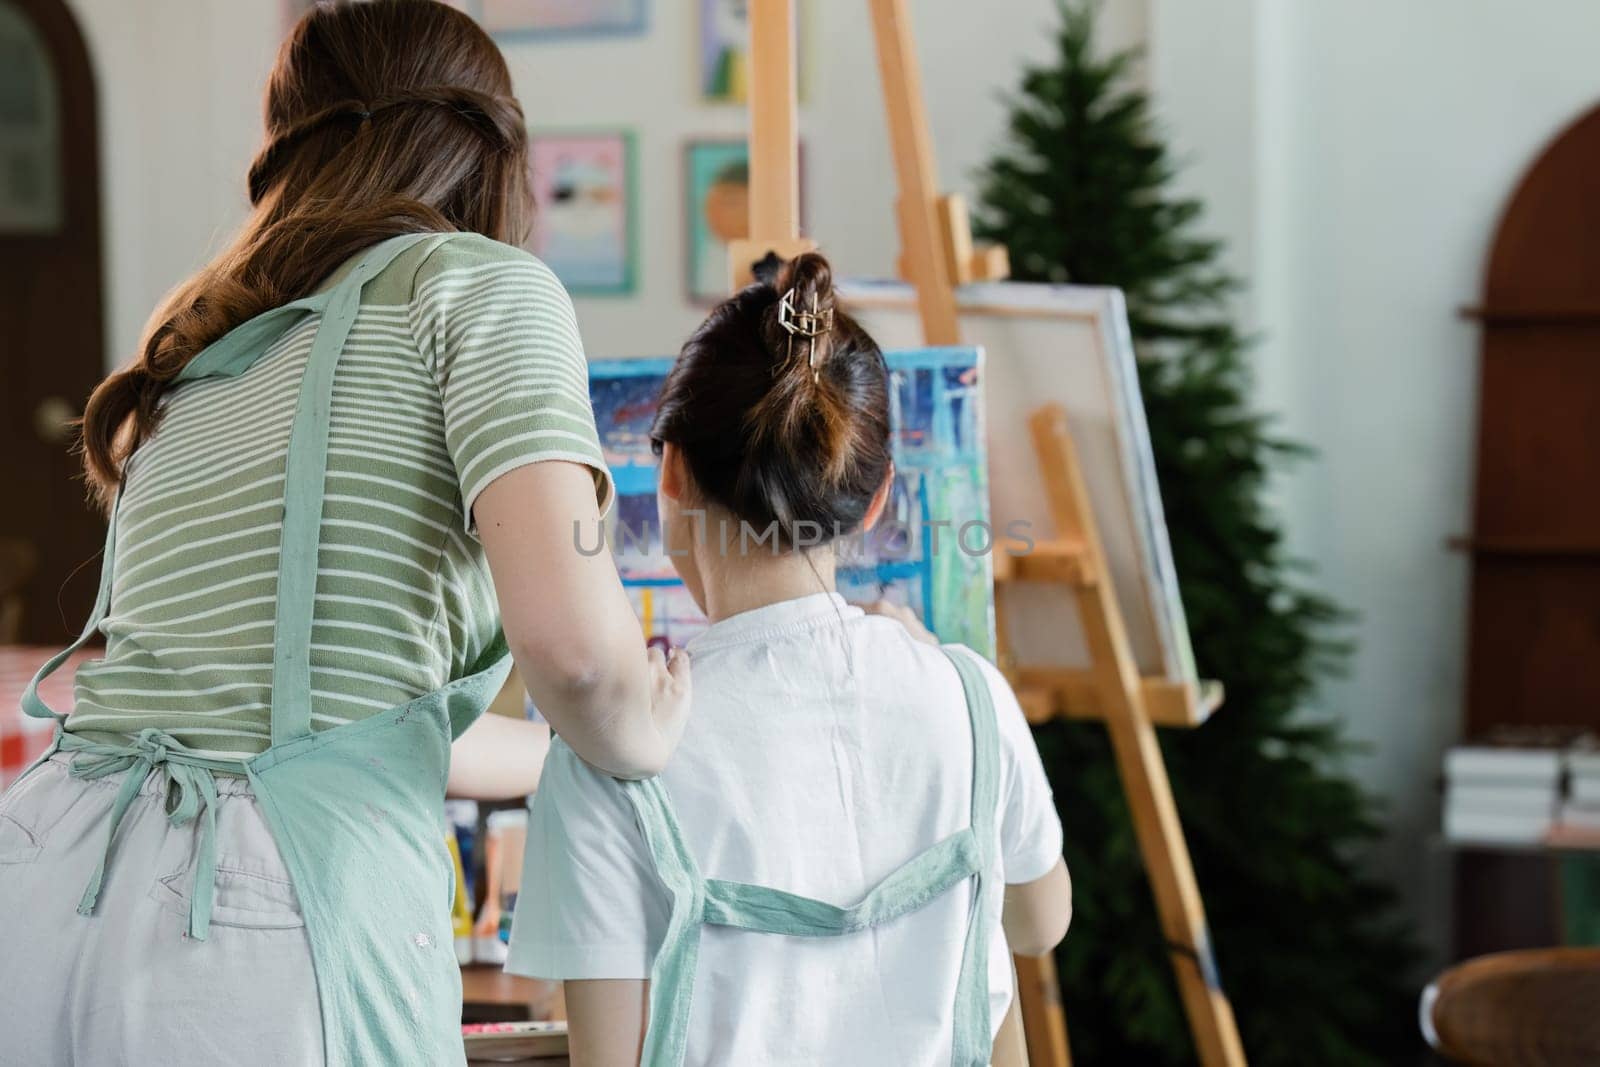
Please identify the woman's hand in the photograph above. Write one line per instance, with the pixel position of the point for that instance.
(670, 691)
(902, 615)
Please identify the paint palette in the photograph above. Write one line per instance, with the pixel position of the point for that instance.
(931, 551)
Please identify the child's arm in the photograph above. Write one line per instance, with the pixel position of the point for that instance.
(498, 758)
(591, 910)
(606, 1020)
(1037, 913)
(1038, 896)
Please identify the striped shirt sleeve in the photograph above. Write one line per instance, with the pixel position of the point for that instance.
(499, 334)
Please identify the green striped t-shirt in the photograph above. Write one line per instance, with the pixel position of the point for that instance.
(464, 362)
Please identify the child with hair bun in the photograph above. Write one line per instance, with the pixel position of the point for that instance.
(856, 821)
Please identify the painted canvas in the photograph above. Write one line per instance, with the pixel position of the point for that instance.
(560, 18)
(725, 50)
(931, 551)
(584, 228)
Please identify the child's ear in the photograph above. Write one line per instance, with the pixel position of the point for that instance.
(673, 477)
(880, 501)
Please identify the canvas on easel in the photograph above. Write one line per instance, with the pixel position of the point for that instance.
(1067, 345)
(937, 437)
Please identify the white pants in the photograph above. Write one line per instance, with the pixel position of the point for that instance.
(127, 986)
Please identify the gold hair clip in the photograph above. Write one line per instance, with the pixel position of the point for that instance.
(808, 324)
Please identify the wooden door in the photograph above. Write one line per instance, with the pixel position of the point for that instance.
(51, 327)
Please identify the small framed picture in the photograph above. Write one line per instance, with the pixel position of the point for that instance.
(724, 50)
(561, 18)
(293, 9)
(717, 210)
(585, 227)
(717, 207)
(536, 18)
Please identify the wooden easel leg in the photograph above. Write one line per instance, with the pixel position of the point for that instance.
(1166, 858)
(1138, 752)
(1039, 994)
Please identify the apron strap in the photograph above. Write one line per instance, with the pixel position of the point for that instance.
(973, 1039)
(32, 703)
(772, 911)
(697, 902)
(194, 789)
(304, 475)
(237, 350)
(672, 974)
(229, 355)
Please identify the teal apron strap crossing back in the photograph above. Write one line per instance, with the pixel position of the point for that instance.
(356, 810)
(698, 901)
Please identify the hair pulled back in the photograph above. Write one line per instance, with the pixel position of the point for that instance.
(779, 403)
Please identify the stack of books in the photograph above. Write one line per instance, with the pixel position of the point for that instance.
(1501, 793)
(1580, 810)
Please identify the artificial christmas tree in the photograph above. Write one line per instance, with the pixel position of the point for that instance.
(1311, 950)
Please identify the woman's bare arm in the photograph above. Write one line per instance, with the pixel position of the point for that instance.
(573, 634)
(1037, 913)
(606, 1020)
(498, 758)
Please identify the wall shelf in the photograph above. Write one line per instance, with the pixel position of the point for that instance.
(1569, 316)
(1529, 547)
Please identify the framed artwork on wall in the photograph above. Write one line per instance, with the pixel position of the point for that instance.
(586, 228)
(534, 18)
(560, 18)
(716, 210)
(723, 68)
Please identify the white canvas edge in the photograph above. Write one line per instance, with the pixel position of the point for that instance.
(1107, 310)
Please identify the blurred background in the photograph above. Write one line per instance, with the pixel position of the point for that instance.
(1388, 541)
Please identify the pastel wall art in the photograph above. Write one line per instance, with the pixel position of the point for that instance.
(724, 50)
(585, 227)
(717, 207)
(717, 210)
(932, 550)
(535, 18)
(555, 18)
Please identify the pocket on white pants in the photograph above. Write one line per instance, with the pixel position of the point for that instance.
(18, 844)
(241, 898)
(40, 799)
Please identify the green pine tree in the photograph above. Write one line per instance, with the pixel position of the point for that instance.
(1310, 947)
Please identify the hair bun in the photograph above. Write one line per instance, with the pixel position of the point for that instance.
(780, 404)
(811, 278)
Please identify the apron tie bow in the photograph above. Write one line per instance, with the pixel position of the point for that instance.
(192, 793)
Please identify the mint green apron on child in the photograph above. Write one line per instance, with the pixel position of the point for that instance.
(698, 901)
(355, 810)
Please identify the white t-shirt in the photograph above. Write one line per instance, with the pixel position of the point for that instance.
(826, 747)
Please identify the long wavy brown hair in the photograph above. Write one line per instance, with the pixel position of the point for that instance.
(383, 117)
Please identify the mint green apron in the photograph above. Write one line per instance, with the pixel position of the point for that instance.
(356, 810)
(698, 901)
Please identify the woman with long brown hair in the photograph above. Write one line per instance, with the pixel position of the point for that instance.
(343, 476)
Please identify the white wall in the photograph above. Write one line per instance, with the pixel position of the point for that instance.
(180, 86)
(1357, 153)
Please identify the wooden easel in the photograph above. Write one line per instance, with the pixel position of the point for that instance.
(937, 255)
